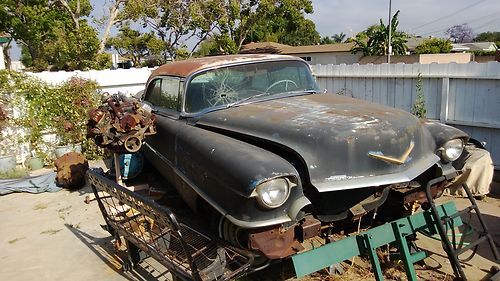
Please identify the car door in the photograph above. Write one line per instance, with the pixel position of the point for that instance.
(163, 95)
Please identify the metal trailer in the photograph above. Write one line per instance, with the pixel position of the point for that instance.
(187, 252)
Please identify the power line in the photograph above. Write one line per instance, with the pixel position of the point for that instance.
(469, 22)
(450, 15)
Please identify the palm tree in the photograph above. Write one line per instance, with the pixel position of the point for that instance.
(375, 40)
(338, 38)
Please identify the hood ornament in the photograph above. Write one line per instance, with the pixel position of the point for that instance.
(393, 160)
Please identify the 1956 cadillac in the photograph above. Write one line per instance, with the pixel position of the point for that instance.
(250, 143)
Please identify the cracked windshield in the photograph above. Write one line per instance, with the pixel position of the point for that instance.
(237, 84)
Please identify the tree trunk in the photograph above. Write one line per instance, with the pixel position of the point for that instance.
(75, 16)
(113, 14)
(6, 54)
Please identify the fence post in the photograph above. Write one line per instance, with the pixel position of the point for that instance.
(445, 93)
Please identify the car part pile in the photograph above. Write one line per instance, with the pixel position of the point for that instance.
(120, 124)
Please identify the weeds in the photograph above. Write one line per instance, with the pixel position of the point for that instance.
(16, 239)
(16, 173)
(50, 231)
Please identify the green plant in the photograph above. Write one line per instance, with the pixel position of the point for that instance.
(434, 46)
(418, 108)
(17, 173)
(44, 108)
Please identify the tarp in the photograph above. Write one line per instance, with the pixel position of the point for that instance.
(36, 184)
(477, 173)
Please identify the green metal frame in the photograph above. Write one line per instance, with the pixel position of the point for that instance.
(367, 242)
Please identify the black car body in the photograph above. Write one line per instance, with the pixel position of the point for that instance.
(251, 137)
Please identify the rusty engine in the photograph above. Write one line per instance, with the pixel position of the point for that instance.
(120, 124)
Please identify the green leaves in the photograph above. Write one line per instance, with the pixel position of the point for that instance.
(434, 46)
(47, 33)
(45, 108)
(374, 41)
(135, 46)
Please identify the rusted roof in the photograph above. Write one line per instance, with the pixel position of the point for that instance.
(272, 47)
(328, 48)
(186, 67)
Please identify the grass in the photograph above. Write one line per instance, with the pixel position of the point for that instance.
(62, 212)
(16, 239)
(16, 173)
(50, 231)
(40, 206)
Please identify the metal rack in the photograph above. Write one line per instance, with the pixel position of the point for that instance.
(153, 229)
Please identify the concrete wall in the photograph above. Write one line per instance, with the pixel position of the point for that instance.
(127, 81)
(463, 95)
(423, 59)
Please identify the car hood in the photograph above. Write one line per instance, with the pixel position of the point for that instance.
(338, 139)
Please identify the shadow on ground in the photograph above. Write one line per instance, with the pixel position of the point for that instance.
(103, 248)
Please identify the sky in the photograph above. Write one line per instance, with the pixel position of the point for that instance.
(420, 17)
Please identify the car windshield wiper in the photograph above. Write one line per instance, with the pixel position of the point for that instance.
(262, 94)
(247, 99)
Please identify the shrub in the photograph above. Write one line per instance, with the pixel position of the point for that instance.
(434, 46)
(44, 108)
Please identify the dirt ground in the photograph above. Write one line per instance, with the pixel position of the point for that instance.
(56, 236)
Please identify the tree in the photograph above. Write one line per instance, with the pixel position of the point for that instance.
(460, 33)
(434, 46)
(107, 21)
(51, 32)
(175, 21)
(488, 37)
(374, 41)
(326, 40)
(135, 46)
(338, 38)
(283, 22)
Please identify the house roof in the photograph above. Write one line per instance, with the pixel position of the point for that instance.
(327, 48)
(187, 67)
(277, 48)
(475, 46)
(263, 47)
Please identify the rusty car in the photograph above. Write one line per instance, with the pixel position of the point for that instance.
(269, 160)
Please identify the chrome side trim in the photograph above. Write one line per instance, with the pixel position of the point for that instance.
(416, 169)
(223, 212)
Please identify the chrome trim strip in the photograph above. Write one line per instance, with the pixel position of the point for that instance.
(360, 182)
(244, 224)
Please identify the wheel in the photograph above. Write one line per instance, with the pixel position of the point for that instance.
(286, 81)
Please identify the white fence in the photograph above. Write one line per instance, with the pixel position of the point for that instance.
(463, 95)
(127, 81)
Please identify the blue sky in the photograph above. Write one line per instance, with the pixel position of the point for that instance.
(422, 17)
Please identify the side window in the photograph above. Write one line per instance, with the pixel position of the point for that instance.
(164, 92)
(153, 92)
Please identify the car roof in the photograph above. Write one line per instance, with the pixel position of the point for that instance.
(185, 68)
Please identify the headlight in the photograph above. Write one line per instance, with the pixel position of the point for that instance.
(273, 193)
(452, 149)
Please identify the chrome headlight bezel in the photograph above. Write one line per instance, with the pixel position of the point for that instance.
(451, 150)
(263, 191)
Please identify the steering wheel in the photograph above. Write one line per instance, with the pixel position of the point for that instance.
(286, 81)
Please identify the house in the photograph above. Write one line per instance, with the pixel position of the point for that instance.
(474, 46)
(313, 54)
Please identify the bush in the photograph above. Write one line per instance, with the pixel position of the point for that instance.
(44, 108)
(434, 46)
